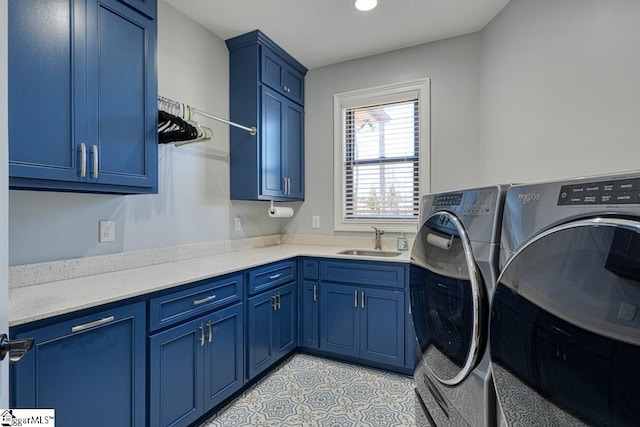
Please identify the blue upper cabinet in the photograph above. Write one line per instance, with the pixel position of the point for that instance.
(266, 91)
(280, 76)
(82, 96)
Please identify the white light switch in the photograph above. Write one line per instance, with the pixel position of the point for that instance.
(107, 231)
(315, 222)
(237, 224)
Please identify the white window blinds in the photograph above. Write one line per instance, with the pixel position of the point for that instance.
(381, 161)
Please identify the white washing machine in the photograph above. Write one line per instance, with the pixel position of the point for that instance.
(565, 321)
(454, 264)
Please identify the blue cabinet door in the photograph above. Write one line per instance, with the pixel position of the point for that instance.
(46, 106)
(309, 328)
(272, 331)
(339, 319)
(271, 136)
(293, 152)
(285, 338)
(224, 355)
(176, 375)
(122, 96)
(383, 326)
(91, 370)
(282, 77)
(82, 96)
(260, 352)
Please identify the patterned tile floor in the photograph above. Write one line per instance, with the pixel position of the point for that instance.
(311, 391)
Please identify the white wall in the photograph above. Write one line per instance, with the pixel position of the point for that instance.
(193, 202)
(560, 94)
(453, 67)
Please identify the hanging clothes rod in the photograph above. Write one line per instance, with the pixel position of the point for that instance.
(186, 108)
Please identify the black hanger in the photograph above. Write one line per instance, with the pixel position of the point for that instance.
(173, 129)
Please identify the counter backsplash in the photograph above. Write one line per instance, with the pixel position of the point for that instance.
(32, 274)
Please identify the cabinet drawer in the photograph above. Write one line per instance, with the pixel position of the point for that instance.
(310, 269)
(172, 308)
(269, 276)
(363, 273)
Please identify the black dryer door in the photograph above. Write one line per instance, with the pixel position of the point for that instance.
(565, 327)
(446, 299)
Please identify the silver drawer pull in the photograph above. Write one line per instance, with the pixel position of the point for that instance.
(315, 292)
(275, 276)
(203, 300)
(93, 324)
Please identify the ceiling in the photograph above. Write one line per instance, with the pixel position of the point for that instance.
(324, 32)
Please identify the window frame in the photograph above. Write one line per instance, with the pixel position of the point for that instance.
(419, 88)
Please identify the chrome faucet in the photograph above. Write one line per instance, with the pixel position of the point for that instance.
(378, 241)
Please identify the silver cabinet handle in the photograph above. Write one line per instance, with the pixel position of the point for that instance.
(83, 160)
(201, 334)
(275, 276)
(362, 298)
(210, 325)
(355, 298)
(315, 292)
(284, 185)
(288, 185)
(93, 324)
(275, 302)
(278, 300)
(94, 151)
(203, 300)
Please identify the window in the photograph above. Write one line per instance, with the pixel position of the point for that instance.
(381, 143)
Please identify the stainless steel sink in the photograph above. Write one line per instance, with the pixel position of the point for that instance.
(365, 252)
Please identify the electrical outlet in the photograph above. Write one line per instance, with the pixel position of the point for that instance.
(237, 224)
(315, 222)
(107, 230)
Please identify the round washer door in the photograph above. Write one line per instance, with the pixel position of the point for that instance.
(446, 299)
(565, 327)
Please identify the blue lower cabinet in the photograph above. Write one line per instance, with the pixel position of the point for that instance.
(91, 369)
(224, 355)
(382, 326)
(366, 323)
(340, 319)
(272, 318)
(195, 366)
(309, 314)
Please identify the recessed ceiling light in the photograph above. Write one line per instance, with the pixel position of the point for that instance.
(365, 5)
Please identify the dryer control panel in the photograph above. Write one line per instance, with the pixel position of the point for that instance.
(608, 192)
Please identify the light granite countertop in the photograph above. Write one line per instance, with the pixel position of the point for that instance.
(48, 299)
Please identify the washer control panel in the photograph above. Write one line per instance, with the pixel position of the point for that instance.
(470, 203)
(609, 192)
